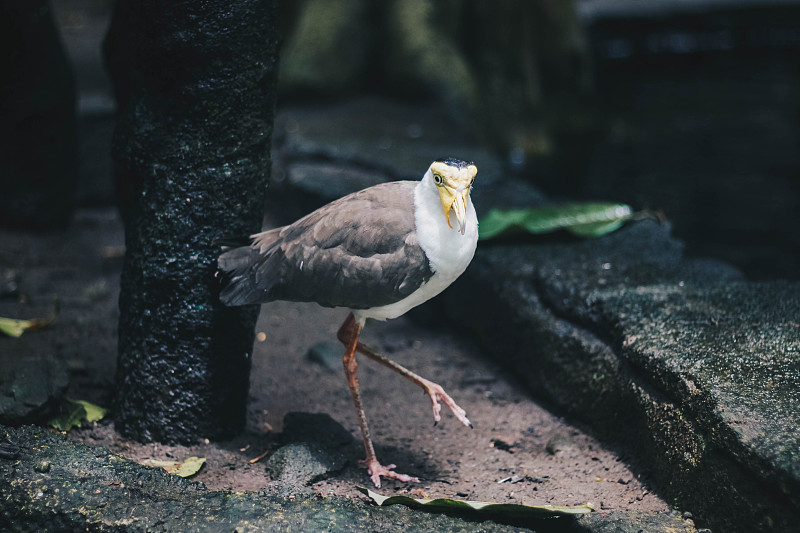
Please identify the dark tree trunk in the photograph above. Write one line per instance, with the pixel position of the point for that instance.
(196, 84)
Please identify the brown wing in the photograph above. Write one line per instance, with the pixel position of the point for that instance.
(360, 251)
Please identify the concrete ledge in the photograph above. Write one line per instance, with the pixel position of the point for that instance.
(694, 368)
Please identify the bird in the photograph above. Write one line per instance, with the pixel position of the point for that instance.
(378, 253)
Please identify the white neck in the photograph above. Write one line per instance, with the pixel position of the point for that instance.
(448, 251)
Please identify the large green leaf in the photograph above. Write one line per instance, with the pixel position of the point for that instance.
(503, 509)
(584, 220)
(74, 412)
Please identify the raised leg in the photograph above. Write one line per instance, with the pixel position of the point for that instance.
(434, 391)
(348, 335)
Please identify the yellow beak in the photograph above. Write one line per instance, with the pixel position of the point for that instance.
(453, 183)
(455, 201)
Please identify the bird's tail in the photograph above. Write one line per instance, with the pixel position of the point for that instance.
(234, 272)
(237, 268)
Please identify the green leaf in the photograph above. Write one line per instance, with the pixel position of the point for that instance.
(504, 509)
(583, 220)
(186, 468)
(190, 466)
(74, 412)
(15, 328)
(94, 413)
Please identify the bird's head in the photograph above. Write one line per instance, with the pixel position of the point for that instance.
(453, 179)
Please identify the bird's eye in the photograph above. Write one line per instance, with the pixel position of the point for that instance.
(437, 179)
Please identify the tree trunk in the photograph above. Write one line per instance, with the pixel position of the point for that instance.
(196, 88)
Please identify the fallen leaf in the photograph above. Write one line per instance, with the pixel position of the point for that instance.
(185, 468)
(190, 466)
(503, 509)
(583, 220)
(74, 412)
(15, 327)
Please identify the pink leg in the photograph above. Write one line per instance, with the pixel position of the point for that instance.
(434, 391)
(348, 334)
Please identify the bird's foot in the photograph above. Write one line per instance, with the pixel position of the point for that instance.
(436, 393)
(376, 470)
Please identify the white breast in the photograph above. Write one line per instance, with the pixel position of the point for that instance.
(448, 251)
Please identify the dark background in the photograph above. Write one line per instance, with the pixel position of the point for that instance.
(690, 108)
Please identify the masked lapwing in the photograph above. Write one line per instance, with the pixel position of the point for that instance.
(378, 252)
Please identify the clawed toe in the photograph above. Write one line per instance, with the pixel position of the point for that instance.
(436, 393)
(376, 470)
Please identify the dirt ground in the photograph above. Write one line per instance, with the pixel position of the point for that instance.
(518, 452)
